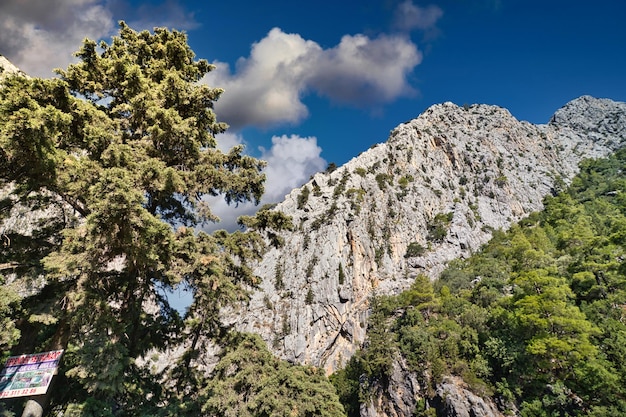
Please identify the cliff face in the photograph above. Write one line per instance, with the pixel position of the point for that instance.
(433, 192)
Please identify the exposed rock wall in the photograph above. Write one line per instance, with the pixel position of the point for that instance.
(452, 398)
(399, 398)
(354, 225)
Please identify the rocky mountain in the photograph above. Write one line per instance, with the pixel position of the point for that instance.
(434, 191)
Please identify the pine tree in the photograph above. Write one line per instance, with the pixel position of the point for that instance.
(251, 382)
(122, 144)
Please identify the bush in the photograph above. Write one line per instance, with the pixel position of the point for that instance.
(342, 275)
(303, 197)
(414, 249)
(382, 180)
(438, 227)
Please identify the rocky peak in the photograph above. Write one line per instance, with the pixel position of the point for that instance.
(434, 191)
(6, 67)
(598, 118)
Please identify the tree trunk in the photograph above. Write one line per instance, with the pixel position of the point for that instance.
(34, 406)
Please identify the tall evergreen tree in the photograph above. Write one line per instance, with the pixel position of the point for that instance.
(122, 144)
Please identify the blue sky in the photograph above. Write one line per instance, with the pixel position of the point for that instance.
(309, 83)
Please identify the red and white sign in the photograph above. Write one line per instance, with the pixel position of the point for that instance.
(28, 374)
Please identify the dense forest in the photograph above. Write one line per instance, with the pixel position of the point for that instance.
(536, 318)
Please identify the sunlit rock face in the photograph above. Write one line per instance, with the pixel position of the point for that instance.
(434, 191)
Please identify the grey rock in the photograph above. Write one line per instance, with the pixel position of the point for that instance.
(403, 394)
(6, 67)
(453, 399)
(399, 398)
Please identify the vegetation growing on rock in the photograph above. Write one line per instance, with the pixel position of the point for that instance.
(536, 319)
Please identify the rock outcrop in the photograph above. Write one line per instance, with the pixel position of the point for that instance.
(402, 396)
(434, 191)
(454, 399)
(399, 397)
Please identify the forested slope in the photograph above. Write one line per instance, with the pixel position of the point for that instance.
(536, 319)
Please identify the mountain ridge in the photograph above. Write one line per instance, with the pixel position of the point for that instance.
(434, 191)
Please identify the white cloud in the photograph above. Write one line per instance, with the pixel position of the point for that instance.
(366, 71)
(267, 87)
(226, 141)
(290, 162)
(40, 35)
(409, 16)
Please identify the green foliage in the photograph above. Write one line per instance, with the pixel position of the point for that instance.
(360, 171)
(90, 408)
(317, 191)
(308, 299)
(331, 168)
(383, 180)
(501, 181)
(378, 357)
(303, 197)
(346, 382)
(9, 308)
(342, 275)
(357, 197)
(438, 226)
(404, 181)
(249, 382)
(279, 283)
(414, 249)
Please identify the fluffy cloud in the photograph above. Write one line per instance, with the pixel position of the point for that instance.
(267, 87)
(225, 141)
(39, 35)
(409, 16)
(365, 71)
(291, 161)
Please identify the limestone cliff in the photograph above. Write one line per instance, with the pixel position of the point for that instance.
(434, 191)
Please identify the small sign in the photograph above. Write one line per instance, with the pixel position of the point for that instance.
(27, 375)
